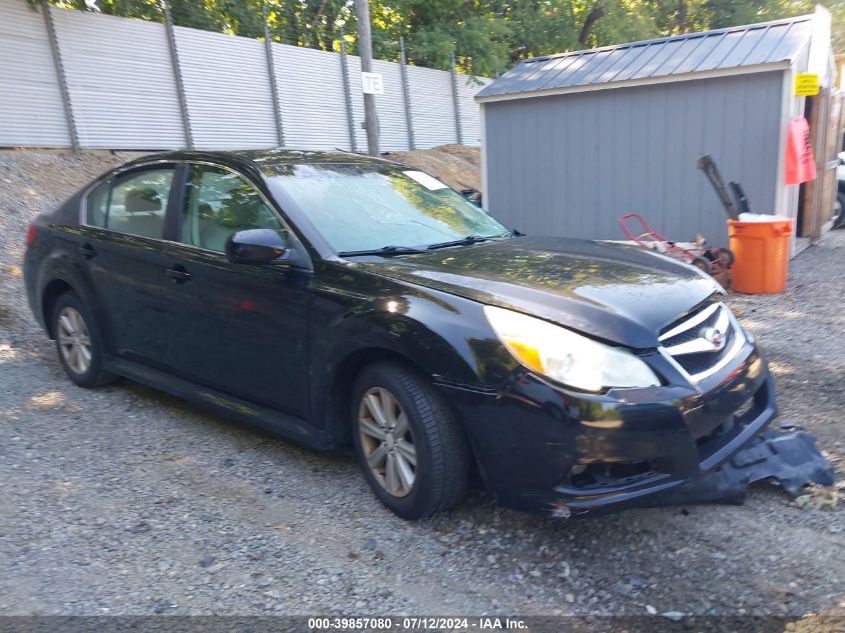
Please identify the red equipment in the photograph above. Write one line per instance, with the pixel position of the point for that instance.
(711, 260)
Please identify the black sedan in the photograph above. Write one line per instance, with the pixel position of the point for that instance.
(338, 300)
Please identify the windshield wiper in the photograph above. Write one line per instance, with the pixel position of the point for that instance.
(465, 241)
(385, 251)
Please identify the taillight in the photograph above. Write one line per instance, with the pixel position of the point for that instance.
(30, 234)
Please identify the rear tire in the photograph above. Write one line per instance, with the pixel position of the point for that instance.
(78, 342)
(397, 415)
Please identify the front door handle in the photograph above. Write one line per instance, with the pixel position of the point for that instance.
(87, 251)
(178, 274)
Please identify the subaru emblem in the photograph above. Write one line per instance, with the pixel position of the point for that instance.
(715, 337)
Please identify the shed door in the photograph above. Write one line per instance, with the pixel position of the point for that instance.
(825, 117)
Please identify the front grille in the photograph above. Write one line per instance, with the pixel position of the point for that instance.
(704, 341)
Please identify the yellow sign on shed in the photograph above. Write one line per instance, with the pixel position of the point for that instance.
(806, 84)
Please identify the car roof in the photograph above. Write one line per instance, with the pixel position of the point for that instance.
(266, 161)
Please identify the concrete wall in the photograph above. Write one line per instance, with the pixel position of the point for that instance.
(570, 165)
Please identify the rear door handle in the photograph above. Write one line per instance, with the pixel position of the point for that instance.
(178, 274)
(87, 251)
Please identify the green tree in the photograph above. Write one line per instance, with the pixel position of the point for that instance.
(487, 36)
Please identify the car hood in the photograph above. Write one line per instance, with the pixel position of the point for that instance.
(617, 292)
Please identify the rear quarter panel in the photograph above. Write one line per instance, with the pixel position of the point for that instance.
(52, 257)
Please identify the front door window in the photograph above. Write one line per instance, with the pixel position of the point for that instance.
(220, 203)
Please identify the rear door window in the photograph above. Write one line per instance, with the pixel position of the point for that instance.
(135, 203)
(97, 205)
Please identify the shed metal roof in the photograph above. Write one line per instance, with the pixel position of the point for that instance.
(734, 47)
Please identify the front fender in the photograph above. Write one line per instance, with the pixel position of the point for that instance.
(444, 336)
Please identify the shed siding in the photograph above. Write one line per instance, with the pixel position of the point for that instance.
(599, 155)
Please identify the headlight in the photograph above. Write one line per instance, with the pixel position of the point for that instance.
(565, 356)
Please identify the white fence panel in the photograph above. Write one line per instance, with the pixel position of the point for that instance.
(123, 94)
(311, 91)
(120, 79)
(227, 88)
(31, 109)
(468, 108)
(432, 107)
(391, 108)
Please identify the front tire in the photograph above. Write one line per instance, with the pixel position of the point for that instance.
(78, 342)
(413, 453)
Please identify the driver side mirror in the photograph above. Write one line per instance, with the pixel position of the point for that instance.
(255, 246)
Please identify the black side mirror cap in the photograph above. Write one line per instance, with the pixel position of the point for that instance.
(256, 246)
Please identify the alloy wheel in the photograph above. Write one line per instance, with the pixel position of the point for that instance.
(387, 441)
(74, 340)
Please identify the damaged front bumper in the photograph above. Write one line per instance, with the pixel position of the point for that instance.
(543, 448)
(789, 459)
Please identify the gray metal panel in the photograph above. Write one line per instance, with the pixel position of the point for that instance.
(357, 101)
(742, 51)
(706, 45)
(643, 58)
(764, 43)
(723, 49)
(31, 110)
(121, 100)
(311, 89)
(793, 41)
(546, 71)
(610, 67)
(529, 71)
(230, 102)
(469, 109)
(390, 107)
(583, 66)
(656, 62)
(606, 153)
(434, 121)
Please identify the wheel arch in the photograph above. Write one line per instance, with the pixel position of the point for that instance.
(342, 381)
(54, 289)
(60, 273)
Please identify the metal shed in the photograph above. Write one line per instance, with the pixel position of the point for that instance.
(571, 142)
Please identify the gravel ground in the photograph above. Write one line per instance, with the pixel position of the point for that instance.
(127, 501)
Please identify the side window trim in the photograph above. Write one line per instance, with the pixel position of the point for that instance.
(174, 212)
(176, 202)
(108, 202)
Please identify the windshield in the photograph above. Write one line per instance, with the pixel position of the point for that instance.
(369, 207)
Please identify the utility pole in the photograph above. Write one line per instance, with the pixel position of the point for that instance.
(365, 50)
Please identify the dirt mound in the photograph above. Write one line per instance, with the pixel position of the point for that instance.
(458, 166)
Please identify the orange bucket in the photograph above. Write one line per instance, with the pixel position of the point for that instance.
(761, 255)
